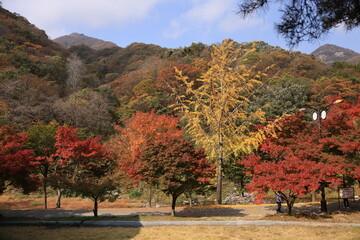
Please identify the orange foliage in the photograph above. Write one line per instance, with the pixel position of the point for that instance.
(341, 87)
(167, 76)
(140, 129)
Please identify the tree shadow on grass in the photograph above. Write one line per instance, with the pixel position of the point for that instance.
(312, 211)
(198, 212)
(40, 224)
(44, 213)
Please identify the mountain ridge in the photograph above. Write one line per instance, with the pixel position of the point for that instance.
(329, 53)
(75, 39)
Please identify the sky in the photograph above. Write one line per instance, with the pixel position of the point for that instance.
(167, 23)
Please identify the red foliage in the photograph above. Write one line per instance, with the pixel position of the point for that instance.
(295, 162)
(356, 173)
(16, 162)
(88, 154)
(87, 166)
(293, 175)
(341, 135)
(174, 164)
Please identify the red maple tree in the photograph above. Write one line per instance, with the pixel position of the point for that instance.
(294, 162)
(87, 166)
(16, 161)
(150, 148)
(341, 137)
(175, 166)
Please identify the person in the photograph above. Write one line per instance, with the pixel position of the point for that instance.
(346, 203)
(278, 200)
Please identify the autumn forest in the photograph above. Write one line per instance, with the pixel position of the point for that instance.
(184, 121)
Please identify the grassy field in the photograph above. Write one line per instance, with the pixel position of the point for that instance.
(11, 201)
(178, 233)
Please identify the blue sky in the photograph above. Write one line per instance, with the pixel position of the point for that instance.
(168, 23)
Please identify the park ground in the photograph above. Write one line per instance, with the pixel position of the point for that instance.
(30, 208)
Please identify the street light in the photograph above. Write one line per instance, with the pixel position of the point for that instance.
(319, 115)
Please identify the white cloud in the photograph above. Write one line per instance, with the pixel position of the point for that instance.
(234, 23)
(209, 16)
(340, 29)
(208, 11)
(177, 30)
(52, 15)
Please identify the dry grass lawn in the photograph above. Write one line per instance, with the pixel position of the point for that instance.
(32, 202)
(178, 233)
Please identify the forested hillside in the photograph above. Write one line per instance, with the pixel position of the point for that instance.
(93, 89)
(32, 72)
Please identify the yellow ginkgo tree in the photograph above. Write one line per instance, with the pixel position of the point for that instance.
(215, 113)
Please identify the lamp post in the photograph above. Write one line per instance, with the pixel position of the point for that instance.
(319, 115)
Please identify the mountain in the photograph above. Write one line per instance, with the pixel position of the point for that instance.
(37, 77)
(329, 53)
(76, 39)
(26, 49)
(32, 72)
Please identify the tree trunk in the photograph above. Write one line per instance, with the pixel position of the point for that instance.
(150, 196)
(219, 183)
(95, 210)
(313, 196)
(45, 192)
(323, 200)
(242, 185)
(190, 199)
(58, 201)
(219, 177)
(290, 204)
(173, 204)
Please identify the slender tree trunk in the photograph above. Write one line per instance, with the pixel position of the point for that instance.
(173, 204)
(313, 196)
(219, 177)
(242, 186)
(219, 183)
(58, 201)
(323, 199)
(95, 210)
(45, 192)
(190, 199)
(150, 196)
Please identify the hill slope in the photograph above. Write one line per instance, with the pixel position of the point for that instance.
(25, 49)
(76, 39)
(32, 72)
(329, 53)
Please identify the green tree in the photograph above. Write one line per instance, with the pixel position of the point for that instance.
(42, 141)
(276, 100)
(215, 113)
